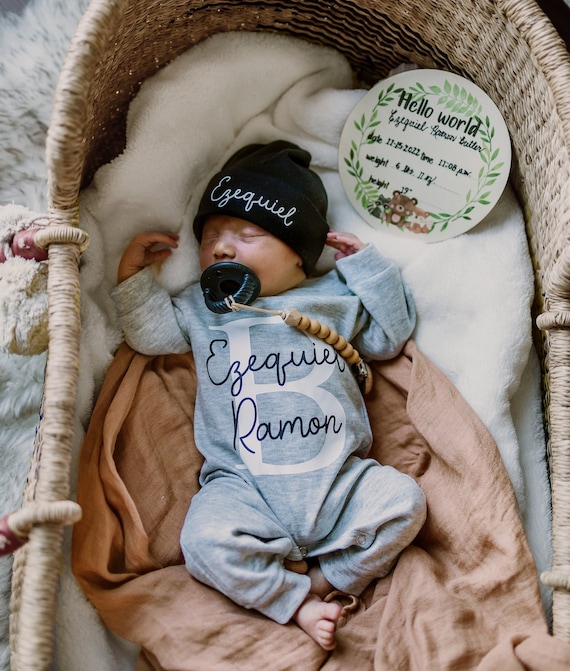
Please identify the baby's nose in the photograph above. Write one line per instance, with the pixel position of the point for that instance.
(224, 248)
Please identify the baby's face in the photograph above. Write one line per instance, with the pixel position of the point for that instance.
(226, 238)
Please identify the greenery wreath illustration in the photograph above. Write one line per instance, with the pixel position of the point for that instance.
(458, 101)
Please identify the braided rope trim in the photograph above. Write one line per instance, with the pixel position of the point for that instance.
(62, 234)
(15, 528)
(558, 295)
(558, 578)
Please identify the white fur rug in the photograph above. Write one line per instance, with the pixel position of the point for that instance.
(32, 49)
(490, 359)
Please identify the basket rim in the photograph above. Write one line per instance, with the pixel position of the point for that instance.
(69, 112)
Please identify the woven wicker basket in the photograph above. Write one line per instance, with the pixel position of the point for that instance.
(507, 47)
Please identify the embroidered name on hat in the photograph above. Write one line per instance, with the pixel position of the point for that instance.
(251, 199)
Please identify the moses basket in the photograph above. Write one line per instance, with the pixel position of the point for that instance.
(507, 47)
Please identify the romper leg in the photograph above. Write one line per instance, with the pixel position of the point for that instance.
(382, 516)
(232, 542)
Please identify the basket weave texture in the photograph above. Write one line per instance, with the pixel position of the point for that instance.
(507, 47)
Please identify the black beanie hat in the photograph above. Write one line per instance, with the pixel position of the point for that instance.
(272, 186)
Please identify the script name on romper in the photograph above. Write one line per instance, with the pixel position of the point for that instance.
(275, 362)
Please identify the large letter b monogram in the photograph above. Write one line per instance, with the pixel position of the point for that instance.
(311, 371)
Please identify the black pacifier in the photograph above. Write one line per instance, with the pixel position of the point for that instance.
(227, 279)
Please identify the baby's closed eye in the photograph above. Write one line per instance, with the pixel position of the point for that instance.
(249, 235)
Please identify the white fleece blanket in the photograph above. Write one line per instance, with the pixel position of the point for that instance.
(473, 293)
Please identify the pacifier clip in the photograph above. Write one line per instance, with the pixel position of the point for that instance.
(293, 317)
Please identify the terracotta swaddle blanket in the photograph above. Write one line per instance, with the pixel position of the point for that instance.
(463, 596)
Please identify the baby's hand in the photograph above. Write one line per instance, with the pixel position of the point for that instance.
(346, 244)
(139, 253)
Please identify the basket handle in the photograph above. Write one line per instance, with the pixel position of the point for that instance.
(558, 295)
(16, 527)
(61, 233)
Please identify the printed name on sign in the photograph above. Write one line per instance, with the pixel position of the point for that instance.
(425, 153)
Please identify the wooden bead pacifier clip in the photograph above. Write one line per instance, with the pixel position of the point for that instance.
(293, 317)
(228, 287)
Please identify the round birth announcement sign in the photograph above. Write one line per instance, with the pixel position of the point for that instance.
(425, 153)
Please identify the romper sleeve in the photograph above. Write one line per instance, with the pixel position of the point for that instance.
(389, 310)
(148, 316)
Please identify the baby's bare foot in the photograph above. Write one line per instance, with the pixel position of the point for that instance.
(318, 619)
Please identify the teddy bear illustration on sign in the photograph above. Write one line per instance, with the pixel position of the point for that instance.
(403, 212)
